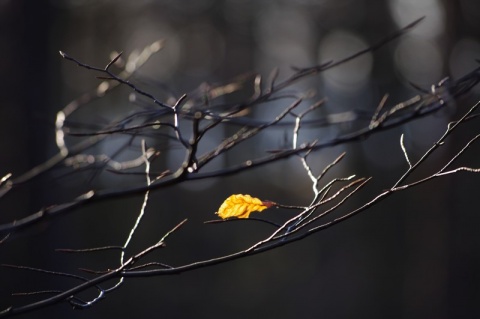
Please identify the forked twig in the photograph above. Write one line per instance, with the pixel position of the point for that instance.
(202, 118)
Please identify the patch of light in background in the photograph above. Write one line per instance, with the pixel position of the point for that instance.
(285, 38)
(352, 75)
(139, 32)
(418, 57)
(144, 31)
(406, 11)
(419, 60)
(345, 86)
(194, 50)
(348, 86)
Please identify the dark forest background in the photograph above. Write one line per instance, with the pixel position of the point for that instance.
(415, 255)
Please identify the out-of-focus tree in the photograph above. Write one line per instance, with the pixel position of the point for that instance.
(320, 110)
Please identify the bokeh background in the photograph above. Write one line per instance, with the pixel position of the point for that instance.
(415, 255)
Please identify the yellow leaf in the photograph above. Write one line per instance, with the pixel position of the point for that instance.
(241, 206)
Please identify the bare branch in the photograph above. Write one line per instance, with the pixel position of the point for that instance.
(404, 150)
(186, 122)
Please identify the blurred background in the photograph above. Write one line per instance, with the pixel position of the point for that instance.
(415, 255)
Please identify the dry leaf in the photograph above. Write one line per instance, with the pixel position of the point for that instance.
(241, 206)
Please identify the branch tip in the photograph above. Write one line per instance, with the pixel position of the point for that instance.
(115, 59)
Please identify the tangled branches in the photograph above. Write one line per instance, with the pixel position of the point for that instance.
(184, 123)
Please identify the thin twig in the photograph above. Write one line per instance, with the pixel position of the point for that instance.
(404, 150)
